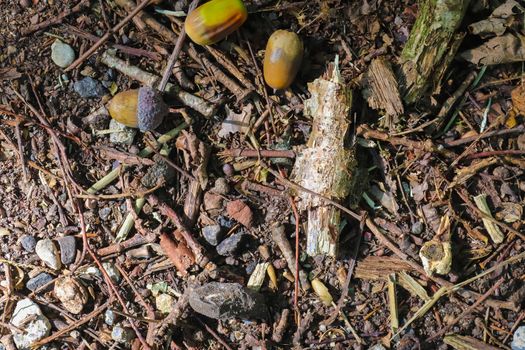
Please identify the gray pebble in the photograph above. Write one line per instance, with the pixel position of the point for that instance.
(221, 186)
(28, 243)
(226, 300)
(38, 281)
(62, 54)
(122, 335)
(417, 228)
(104, 213)
(518, 340)
(212, 234)
(121, 134)
(48, 252)
(231, 244)
(109, 317)
(89, 87)
(112, 271)
(68, 249)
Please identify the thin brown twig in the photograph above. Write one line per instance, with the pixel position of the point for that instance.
(469, 310)
(56, 20)
(106, 36)
(176, 52)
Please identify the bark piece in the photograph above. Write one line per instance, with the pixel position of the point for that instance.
(381, 91)
(431, 46)
(326, 165)
(178, 254)
(498, 50)
(241, 212)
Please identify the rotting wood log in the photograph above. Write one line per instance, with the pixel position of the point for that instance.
(431, 46)
(325, 166)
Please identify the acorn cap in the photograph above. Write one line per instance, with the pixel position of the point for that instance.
(151, 109)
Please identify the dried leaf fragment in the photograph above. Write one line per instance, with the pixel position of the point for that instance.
(241, 212)
(493, 230)
(180, 255)
(236, 122)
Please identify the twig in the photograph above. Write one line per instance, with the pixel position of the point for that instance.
(214, 334)
(176, 51)
(136, 194)
(197, 249)
(74, 325)
(469, 310)
(119, 247)
(57, 19)
(265, 153)
(106, 36)
(470, 139)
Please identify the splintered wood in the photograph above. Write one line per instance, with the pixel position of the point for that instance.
(325, 166)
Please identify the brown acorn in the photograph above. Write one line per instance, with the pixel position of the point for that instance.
(141, 108)
(282, 59)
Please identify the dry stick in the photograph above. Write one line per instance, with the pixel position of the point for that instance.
(197, 249)
(21, 151)
(126, 49)
(196, 103)
(488, 217)
(106, 36)
(511, 152)
(57, 19)
(465, 140)
(256, 153)
(68, 179)
(386, 241)
(74, 325)
(469, 310)
(137, 240)
(176, 52)
(214, 334)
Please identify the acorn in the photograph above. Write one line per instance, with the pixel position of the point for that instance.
(282, 59)
(141, 108)
(215, 20)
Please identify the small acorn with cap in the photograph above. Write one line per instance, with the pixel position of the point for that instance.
(141, 108)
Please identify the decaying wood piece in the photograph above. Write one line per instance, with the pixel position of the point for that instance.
(379, 267)
(431, 46)
(462, 342)
(325, 166)
(381, 91)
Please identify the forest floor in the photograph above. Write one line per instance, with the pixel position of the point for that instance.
(203, 205)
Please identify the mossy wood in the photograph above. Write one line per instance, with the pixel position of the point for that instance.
(325, 166)
(431, 46)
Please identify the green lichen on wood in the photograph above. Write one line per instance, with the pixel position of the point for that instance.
(431, 46)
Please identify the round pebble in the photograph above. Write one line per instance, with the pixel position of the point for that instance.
(62, 54)
(48, 252)
(28, 243)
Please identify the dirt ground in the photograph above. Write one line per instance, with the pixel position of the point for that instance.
(421, 177)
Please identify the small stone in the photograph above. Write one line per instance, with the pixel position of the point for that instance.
(121, 134)
(25, 3)
(112, 271)
(47, 252)
(11, 50)
(226, 300)
(231, 244)
(241, 212)
(518, 340)
(29, 317)
(228, 170)
(88, 71)
(122, 335)
(89, 87)
(164, 303)
(38, 281)
(28, 243)
(62, 54)
(68, 249)
(109, 317)
(212, 234)
(221, 186)
(159, 170)
(417, 228)
(71, 293)
(104, 213)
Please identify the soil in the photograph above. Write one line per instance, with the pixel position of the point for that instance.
(54, 145)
